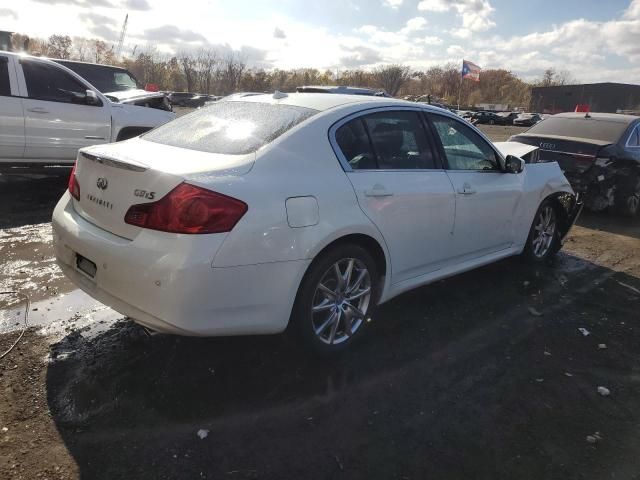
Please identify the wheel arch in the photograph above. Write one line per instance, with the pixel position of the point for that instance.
(126, 133)
(368, 242)
(565, 205)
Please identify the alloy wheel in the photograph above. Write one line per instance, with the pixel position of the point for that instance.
(341, 301)
(544, 231)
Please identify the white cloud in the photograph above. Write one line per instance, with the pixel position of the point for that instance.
(414, 24)
(475, 14)
(434, 5)
(455, 50)
(392, 3)
(430, 40)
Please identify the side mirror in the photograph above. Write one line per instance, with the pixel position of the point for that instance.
(513, 164)
(92, 99)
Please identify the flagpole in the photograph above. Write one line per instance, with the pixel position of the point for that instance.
(460, 87)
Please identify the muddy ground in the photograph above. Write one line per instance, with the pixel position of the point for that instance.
(486, 375)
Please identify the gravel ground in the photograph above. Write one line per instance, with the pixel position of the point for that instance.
(486, 375)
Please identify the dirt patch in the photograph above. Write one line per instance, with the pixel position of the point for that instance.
(30, 444)
(456, 380)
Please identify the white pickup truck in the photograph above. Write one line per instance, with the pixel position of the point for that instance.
(48, 112)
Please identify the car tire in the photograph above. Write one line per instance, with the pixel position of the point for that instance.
(626, 200)
(330, 315)
(544, 240)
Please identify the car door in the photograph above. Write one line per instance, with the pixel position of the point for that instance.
(58, 119)
(11, 114)
(486, 197)
(389, 158)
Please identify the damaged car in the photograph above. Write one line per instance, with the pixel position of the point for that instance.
(118, 84)
(48, 112)
(599, 154)
(346, 201)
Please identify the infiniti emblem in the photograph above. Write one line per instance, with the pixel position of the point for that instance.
(102, 183)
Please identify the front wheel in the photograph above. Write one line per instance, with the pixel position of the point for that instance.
(626, 200)
(544, 236)
(336, 299)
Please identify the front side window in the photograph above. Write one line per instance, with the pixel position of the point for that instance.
(232, 128)
(49, 83)
(5, 86)
(464, 148)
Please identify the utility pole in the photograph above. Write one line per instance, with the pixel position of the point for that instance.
(122, 34)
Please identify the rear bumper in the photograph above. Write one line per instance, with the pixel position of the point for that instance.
(166, 282)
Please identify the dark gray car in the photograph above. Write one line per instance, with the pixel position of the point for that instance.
(599, 154)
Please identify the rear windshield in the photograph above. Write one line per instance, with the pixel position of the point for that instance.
(231, 128)
(602, 130)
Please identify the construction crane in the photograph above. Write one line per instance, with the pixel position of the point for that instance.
(122, 34)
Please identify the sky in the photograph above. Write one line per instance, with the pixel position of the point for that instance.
(595, 40)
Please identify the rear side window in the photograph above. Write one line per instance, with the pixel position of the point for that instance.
(5, 87)
(50, 83)
(399, 140)
(355, 145)
(634, 138)
(231, 128)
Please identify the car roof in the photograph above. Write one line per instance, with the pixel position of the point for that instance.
(322, 101)
(609, 117)
(77, 62)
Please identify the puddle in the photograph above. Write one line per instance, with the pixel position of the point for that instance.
(60, 315)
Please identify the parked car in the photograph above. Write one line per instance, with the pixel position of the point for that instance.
(599, 153)
(301, 211)
(507, 118)
(180, 99)
(117, 84)
(341, 90)
(48, 112)
(527, 119)
(485, 118)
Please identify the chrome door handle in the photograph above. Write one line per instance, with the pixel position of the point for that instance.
(377, 191)
(37, 110)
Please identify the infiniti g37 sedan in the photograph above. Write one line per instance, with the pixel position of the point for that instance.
(302, 212)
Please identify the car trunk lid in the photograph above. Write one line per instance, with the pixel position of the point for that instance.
(114, 177)
(574, 155)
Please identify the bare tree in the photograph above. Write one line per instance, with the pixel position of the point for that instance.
(230, 73)
(187, 63)
(59, 46)
(391, 78)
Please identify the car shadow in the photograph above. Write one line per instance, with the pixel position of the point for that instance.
(28, 199)
(452, 382)
(629, 227)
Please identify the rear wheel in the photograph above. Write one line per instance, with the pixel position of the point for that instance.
(544, 236)
(336, 299)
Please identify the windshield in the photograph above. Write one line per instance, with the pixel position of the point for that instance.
(233, 128)
(106, 79)
(580, 127)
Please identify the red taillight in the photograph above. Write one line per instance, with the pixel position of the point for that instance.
(188, 209)
(74, 186)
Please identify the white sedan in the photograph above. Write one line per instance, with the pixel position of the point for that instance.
(305, 210)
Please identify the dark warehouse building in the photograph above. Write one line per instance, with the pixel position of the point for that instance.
(600, 97)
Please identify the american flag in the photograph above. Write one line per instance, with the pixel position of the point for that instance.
(470, 70)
